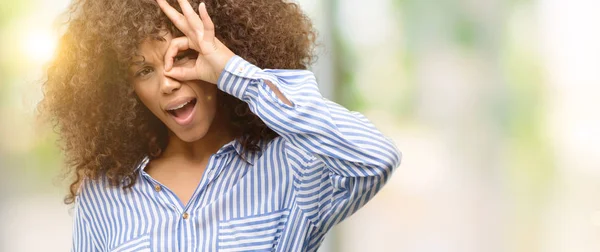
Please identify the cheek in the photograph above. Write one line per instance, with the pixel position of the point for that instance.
(208, 98)
(209, 103)
(146, 99)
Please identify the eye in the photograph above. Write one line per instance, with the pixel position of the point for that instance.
(179, 57)
(142, 73)
(184, 56)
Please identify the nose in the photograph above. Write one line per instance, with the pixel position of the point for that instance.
(169, 85)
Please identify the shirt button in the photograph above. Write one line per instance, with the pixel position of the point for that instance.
(185, 216)
(157, 188)
(240, 69)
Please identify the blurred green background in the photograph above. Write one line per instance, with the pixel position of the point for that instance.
(493, 103)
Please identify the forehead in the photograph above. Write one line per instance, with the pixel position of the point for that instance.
(152, 48)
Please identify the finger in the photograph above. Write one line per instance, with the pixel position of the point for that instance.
(177, 18)
(209, 26)
(183, 73)
(192, 18)
(176, 45)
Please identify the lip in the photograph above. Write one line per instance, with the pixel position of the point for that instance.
(184, 121)
(176, 102)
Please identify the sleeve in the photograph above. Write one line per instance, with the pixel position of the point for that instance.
(82, 235)
(340, 160)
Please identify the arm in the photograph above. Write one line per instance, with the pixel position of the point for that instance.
(339, 158)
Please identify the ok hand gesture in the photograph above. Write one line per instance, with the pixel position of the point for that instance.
(199, 34)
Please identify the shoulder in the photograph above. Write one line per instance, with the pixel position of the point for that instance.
(98, 192)
(90, 188)
(87, 194)
(101, 186)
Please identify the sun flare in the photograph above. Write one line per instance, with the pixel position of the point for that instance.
(39, 45)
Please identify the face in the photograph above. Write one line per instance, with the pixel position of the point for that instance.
(187, 108)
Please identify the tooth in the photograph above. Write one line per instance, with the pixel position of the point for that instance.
(180, 106)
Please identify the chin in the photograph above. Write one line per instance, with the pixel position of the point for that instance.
(193, 134)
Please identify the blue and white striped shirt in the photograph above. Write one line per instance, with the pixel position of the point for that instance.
(326, 164)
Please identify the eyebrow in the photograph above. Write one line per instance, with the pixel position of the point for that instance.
(139, 62)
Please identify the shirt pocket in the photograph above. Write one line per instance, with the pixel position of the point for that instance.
(138, 244)
(255, 233)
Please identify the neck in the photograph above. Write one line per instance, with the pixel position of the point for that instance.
(200, 150)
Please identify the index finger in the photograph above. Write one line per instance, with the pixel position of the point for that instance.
(176, 45)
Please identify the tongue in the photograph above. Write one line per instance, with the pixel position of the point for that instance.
(184, 111)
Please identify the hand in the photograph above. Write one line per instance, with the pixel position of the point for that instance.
(199, 34)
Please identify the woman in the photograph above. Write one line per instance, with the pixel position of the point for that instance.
(181, 138)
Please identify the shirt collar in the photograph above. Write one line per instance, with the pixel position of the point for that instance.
(250, 157)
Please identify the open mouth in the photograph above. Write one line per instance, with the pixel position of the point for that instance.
(183, 113)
